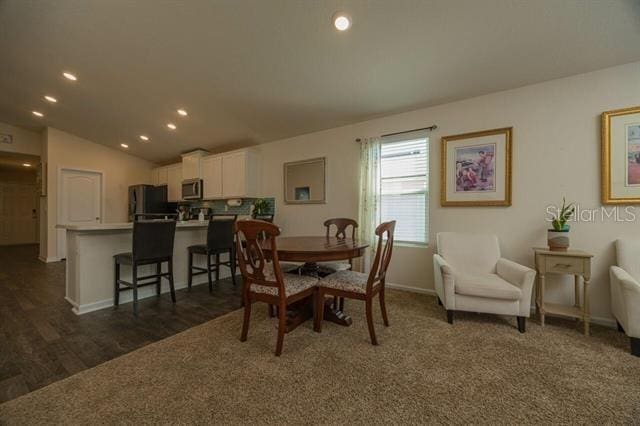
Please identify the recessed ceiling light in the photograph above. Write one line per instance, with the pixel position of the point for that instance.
(37, 113)
(51, 99)
(182, 112)
(341, 21)
(144, 138)
(69, 76)
(26, 164)
(124, 145)
(171, 126)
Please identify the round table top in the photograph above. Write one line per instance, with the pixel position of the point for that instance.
(318, 249)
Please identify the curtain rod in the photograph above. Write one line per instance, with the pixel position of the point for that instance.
(430, 128)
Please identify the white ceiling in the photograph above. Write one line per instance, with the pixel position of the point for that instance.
(12, 161)
(254, 71)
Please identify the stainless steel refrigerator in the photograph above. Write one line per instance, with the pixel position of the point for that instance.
(147, 199)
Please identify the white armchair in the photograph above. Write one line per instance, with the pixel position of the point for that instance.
(625, 291)
(470, 275)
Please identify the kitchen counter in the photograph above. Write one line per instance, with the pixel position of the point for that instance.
(126, 225)
(90, 265)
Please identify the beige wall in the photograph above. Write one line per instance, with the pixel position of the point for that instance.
(24, 141)
(556, 153)
(120, 170)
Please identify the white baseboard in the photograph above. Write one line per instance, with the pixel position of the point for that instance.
(428, 291)
(606, 322)
(48, 259)
(127, 296)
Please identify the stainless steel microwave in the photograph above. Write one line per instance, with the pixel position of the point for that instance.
(192, 189)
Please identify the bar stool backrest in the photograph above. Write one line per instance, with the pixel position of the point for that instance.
(220, 234)
(153, 239)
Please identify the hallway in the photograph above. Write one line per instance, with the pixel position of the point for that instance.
(42, 341)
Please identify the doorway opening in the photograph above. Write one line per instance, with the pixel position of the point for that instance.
(19, 199)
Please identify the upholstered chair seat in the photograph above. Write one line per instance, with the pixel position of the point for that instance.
(625, 291)
(471, 275)
(293, 284)
(346, 280)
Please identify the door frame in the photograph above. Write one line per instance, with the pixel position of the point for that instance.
(62, 169)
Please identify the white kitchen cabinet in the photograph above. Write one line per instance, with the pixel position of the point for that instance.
(191, 164)
(163, 175)
(240, 174)
(174, 182)
(154, 176)
(211, 172)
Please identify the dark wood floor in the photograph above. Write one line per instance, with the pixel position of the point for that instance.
(42, 341)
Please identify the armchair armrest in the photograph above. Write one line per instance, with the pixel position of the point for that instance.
(443, 281)
(520, 276)
(630, 294)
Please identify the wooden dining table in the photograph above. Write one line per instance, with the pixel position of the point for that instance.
(310, 250)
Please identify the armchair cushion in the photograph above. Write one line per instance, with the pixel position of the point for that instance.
(486, 285)
(472, 253)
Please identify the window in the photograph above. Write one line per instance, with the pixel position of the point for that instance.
(404, 174)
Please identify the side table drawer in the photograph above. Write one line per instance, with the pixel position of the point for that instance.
(565, 264)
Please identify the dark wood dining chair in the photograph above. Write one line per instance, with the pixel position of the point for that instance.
(152, 245)
(341, 226)
(220, 240)
(361, 286)
(264, 280)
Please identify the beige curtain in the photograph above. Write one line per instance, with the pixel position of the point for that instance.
(369, 213)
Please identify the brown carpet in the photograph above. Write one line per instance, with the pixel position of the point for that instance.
(480, 370)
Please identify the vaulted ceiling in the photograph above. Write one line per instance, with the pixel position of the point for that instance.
(254, 71)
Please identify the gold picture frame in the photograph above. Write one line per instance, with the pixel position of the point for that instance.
(616, 147)
(460, 185)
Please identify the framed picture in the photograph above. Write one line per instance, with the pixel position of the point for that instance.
(476, 169)
(621, 156)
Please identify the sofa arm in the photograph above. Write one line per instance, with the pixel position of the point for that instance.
(520, 276)
(444, 282)
(630, 294)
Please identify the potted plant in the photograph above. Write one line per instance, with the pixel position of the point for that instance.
(260, 207)
(558, 237)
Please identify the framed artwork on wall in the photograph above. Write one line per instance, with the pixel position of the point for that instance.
(476, 169)
(621, 156)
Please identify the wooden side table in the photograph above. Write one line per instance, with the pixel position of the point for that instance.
(574, 262)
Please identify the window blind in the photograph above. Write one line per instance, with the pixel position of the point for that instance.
(404, 174)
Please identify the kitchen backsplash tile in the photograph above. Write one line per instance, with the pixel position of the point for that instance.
(218, 206)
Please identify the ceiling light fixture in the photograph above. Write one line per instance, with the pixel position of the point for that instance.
(182, 112)
(144, 138)
(124, 145)
(26, 164)
(37, 113)
(171, 126)
(341, 21)
(51, 99)
(69, 76)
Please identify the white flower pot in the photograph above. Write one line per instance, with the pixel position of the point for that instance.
(558, 240)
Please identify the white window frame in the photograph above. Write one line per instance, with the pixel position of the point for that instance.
(403, 138)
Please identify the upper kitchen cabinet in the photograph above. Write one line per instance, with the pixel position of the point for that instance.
(240, 174)
(174, 182)
(160, 176)
(192, 164)
(212, 177)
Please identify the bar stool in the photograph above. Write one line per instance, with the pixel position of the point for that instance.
(220, 240)
(152, 244)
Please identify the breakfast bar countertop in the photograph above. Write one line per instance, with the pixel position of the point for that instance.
(126, 225)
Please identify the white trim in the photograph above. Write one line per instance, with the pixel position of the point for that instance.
(606, 322)
(428, 291)
(48, 259)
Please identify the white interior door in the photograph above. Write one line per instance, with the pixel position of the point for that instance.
(18, 214)
(79, 202)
